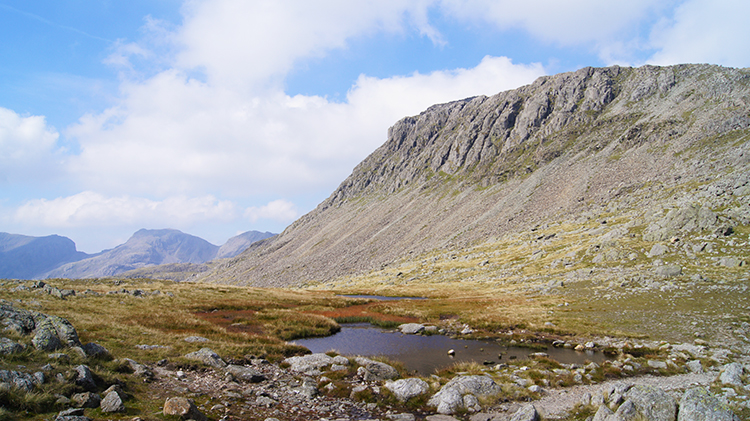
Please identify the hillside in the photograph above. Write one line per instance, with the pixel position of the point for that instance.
(622, 159)
(26, 257)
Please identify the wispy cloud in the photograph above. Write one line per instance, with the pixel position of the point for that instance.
(51, 23)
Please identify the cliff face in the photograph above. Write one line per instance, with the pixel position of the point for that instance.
(26, 257)
(477, 169)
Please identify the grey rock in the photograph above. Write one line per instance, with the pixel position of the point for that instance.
(193, 339)
(657, 250)
(661, 365)
(309, 364)
(730, 262)
(52, 332)
(85, 378)
(627, 412)
(23, 381)
(72, 414)
(140, 370)
(603, 414)
(652, 403)
(17, 320)
(8, 346)
(401, 417)
(697, 404)
(112, 402)
(731, 374)
(183, 408)
(668, 271)
(246, 374)
(86, 400)
(526, 413)
(694, 366)
(94, 350)
(450, 397)
(375, 371)
(405, 389)
(411, 328)
(208, 357)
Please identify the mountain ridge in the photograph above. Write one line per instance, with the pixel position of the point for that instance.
(482, 167)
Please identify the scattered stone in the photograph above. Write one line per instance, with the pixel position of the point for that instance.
(208, 357)
(309, 364)
(401, 417)
(668, 271)
(694, 366)
(405, 389)
(23, 381)
(183, 408)
(697, 404)
(72, 414)
(112, 402)
(657, 250)
(140, 370)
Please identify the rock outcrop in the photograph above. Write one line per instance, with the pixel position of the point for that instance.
(483, 167)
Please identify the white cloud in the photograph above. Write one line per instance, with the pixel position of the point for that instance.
(28, 148)
(175, 135)
(93, 209)
(244, 44)
(277, 210)
(704, 31)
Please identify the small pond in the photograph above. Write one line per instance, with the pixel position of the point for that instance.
(425, 354)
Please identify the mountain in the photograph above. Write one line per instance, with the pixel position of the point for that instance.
(177, 251)
(144, 248)
(26, 257)
(239, 243)
(646, 151)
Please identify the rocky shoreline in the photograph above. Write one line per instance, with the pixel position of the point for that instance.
(688, 381)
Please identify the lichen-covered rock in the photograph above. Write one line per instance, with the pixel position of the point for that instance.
(375, 371)
(208, 357)
(309, 364)
(450, 397)
(53, 332)
(697, 404)
(405, 389)
(17, 320)
(731, 374)
(652, 403)
(8, 346)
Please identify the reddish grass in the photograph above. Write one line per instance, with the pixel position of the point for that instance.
(365, 310)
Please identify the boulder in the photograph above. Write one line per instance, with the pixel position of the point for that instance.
(140, 370)
(208, 357)
(309, 364)
(72, 414)
(84, 378)
(16, 320)
(246, 374)
(23, 381)
(450, 397)
(652, 403)
(731, 374)
(411, 328)
(603, 414)
(112, 402)
(526, 413)
(94, 350)
(697, 404)
(8, 346)
(375, 371)
(52, 332)
(183, 408)
(405, 389)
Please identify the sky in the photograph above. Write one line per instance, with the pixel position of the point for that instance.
(217, 117)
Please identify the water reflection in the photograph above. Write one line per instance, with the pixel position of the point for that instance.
(425, 354)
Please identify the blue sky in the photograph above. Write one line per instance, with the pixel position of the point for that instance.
(217, 117)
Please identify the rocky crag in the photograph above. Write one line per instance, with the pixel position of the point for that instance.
(622, 159)
(27, 257)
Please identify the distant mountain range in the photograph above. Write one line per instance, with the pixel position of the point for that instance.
(27, 257)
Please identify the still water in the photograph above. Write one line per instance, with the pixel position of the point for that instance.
(425, 354)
